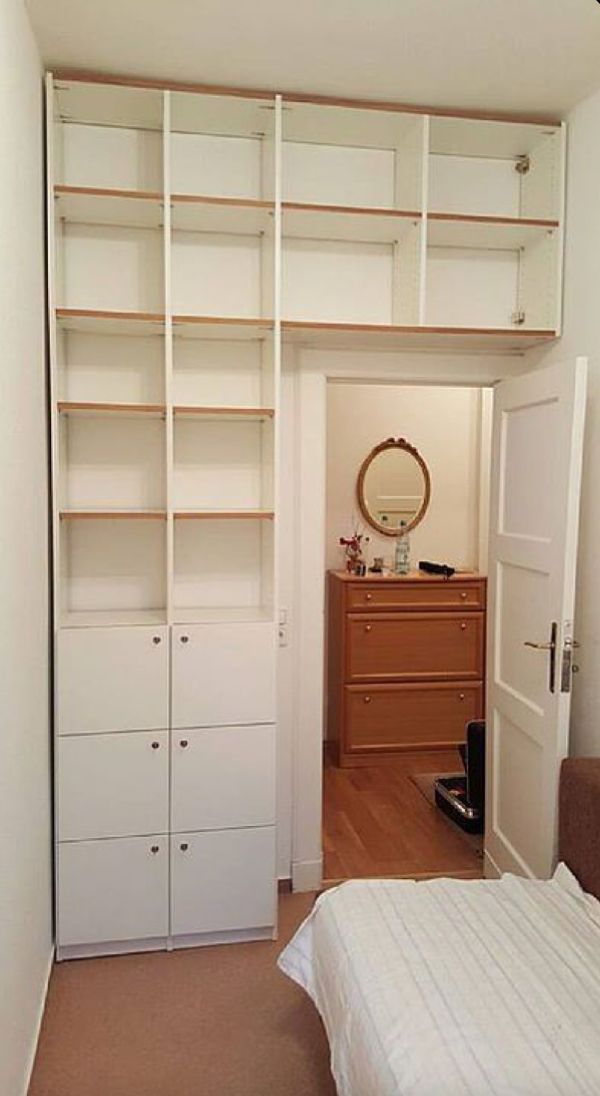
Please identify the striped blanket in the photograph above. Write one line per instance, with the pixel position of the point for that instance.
(454, 988)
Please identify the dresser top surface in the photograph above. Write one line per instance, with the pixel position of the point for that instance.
(412, 576)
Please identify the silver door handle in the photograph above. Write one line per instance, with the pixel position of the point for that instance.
(551, 647)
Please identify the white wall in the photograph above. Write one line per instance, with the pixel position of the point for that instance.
(25, 849)
(444, 425)
(581, 335)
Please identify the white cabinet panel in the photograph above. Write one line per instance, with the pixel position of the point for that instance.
(222, 881)
(113, 785)
(112, 890)
(223, 777)
(112, 679)
(223, 674)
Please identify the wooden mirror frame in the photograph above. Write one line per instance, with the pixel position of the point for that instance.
(392, 443)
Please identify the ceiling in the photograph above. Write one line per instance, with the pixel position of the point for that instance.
(536, 56)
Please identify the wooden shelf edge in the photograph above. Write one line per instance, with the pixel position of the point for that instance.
(68, 406)
(227, 515)
(241, 412)
(117, 515)
(481, 219)
(240, 321)
(353, 211)
(109, 192)
(108, 314)
(215, 200)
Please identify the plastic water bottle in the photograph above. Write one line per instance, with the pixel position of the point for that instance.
(402, 555)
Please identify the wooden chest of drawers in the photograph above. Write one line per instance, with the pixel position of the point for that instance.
(405, 662)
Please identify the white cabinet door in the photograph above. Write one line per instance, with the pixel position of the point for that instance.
(223, 674)
(113, 785)
(223, 881)
(223, 777)
(113, 890)
(112, 679)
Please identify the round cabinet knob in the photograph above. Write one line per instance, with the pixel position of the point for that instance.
(367, 699)
(367, 627)
(463, 627)
(184, 639)
(156, 640)
(461, 696)
(184, 846)
(463, 595)
(368, 597)
(154, 849)
(183, 743)
(156, 745)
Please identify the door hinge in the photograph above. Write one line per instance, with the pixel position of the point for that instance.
(518, 318)
(522, 165)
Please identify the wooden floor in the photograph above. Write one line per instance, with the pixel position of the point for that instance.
(377, 822)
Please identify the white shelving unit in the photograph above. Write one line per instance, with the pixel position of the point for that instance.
(191, 234)
(165, 392)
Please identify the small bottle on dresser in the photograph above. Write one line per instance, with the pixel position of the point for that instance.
(402, 553)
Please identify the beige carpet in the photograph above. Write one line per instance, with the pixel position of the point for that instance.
(204, 1022)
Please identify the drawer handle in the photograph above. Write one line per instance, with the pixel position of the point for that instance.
(463, 595)
(461, 696)
(156, 745)
(463, 627)
(183, 743)
(154, 849)
(156, 640)
(184, 639)
(184, 846)
(367, 699)
(367, 627)
(368, 597)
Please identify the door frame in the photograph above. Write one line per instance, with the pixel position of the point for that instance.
(312, 372)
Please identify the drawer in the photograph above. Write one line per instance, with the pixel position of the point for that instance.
(409, 717)
(439, 594)
(438, 646)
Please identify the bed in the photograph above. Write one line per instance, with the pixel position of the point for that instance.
(465, 988)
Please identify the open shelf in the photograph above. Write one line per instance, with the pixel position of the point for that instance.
(111, 618)
(108, 206)
(110, 321)
(69, 407)
(204, 213)
(309, 220)
(349, 336)
(223, 614)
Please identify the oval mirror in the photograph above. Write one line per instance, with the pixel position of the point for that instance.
(393, 487)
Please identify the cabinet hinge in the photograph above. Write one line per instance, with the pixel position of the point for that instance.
(522, 165)
(518, 318)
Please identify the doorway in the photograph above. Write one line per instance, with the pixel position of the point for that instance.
(379, 812)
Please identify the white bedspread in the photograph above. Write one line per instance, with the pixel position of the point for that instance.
(452, 988)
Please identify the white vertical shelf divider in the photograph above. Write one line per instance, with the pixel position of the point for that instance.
(276, 292)
(424, 221)
(167, 209)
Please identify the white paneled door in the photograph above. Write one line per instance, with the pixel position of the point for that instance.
(536, 472)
